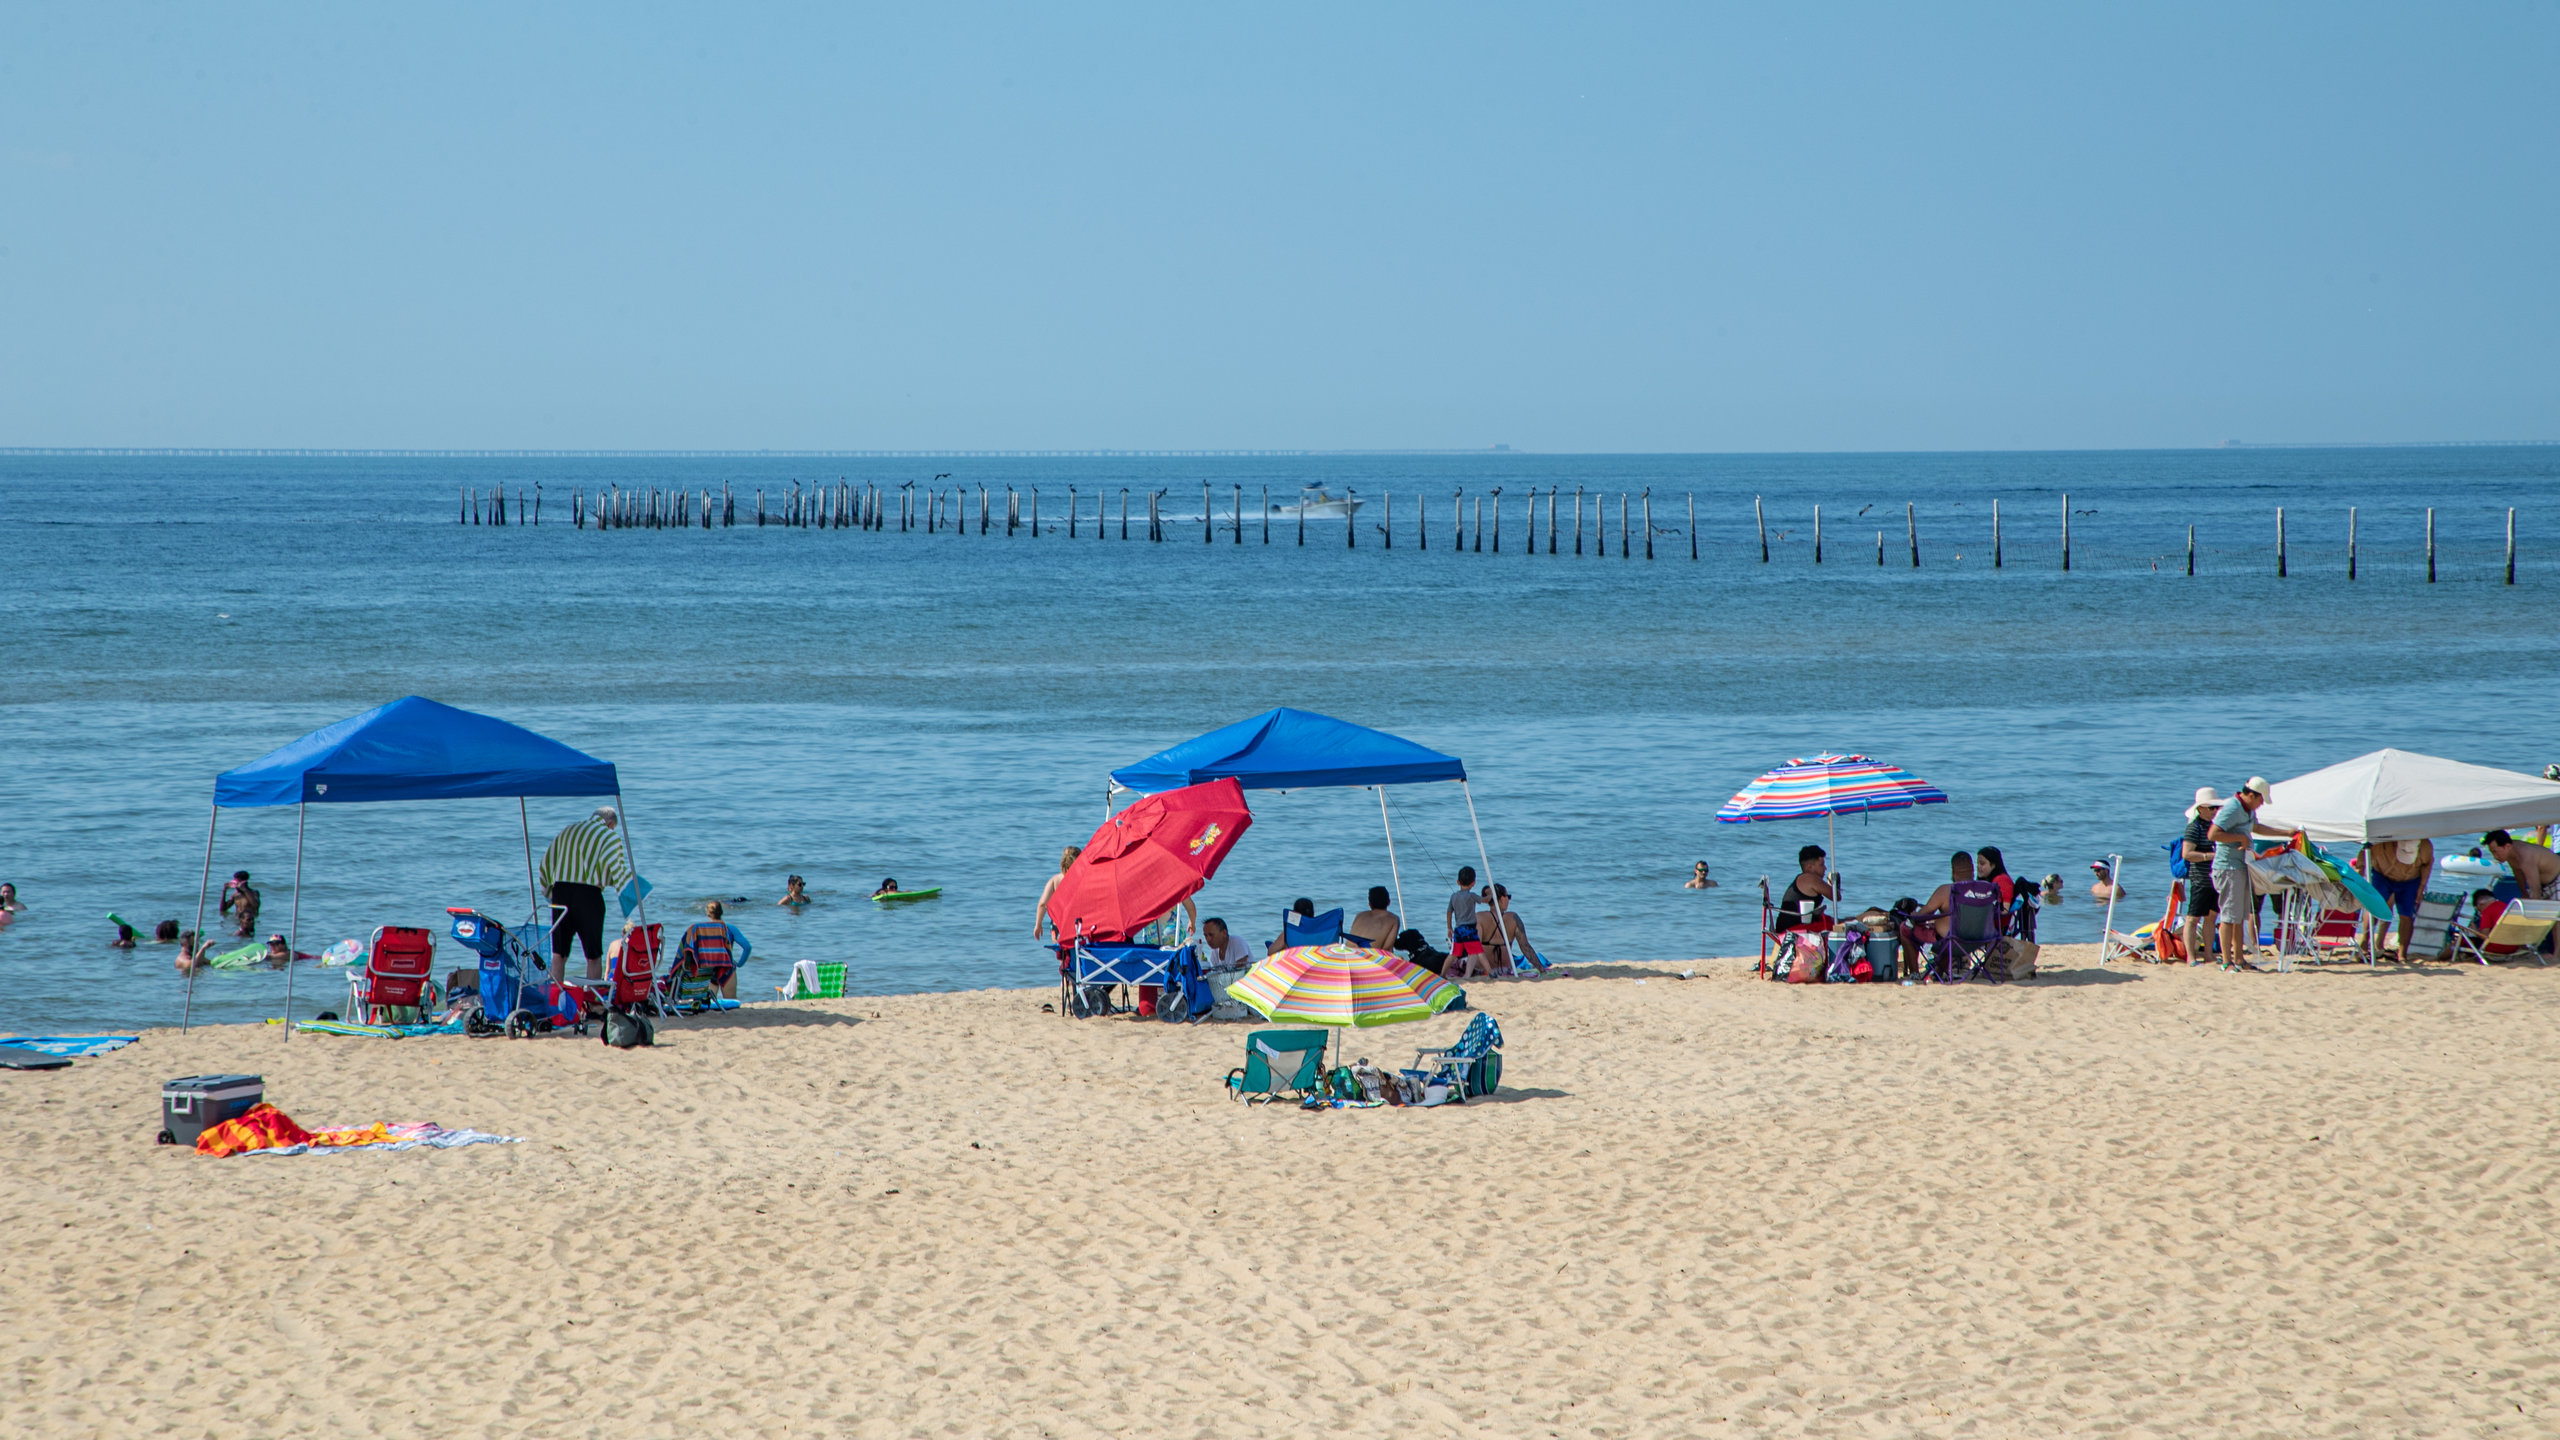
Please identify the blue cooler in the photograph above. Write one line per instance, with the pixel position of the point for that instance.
(193, 1104)
(1884, 955)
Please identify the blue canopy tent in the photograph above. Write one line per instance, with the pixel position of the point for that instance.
(1288, 749)
(410, 749)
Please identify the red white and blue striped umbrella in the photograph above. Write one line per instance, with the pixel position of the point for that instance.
(1829, 784)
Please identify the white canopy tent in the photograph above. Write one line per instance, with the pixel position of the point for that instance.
(2397, 795)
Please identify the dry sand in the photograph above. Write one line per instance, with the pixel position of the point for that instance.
(2134, 1201)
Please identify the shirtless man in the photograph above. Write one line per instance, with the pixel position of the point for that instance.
(1936, 914)
(2536, 869)
(1377, 925)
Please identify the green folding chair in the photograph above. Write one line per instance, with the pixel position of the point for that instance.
(1278, 1062)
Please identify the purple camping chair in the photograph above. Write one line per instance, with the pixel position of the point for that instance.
(1973, 932)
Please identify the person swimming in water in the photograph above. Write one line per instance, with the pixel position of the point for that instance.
(124, 936)
(795, 892)
(189, 956)
(10, 904)
(166, 933)
(1699, 879)
(887, 887)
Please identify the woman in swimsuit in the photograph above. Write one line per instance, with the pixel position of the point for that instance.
(1040, 907)
(795, 892)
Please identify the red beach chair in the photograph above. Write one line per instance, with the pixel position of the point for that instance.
(398, 975)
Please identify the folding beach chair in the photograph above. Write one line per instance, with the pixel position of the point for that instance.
(1471, 1067)
(1973, 930)
(2431, 934)
(1322, 929)
(395, 984)
(705, 961)
(2523, 926)
(1276, 1061)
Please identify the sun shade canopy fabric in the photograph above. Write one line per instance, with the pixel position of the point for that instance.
(1287, 749)
(1829, 784)
(2397, 795)
(414, 749)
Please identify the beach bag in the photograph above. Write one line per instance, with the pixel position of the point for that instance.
(1842, 969)
(2177, 857)
(1485, 1076)
(1803, 959)
(624, 1030)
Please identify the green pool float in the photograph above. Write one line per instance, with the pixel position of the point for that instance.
(898, 896)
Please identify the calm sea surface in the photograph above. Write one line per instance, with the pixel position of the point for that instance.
(943, 708)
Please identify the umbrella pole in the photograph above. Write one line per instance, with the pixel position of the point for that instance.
(1392, 873)
(1498, 912)
(187, 1012)
(293, 932)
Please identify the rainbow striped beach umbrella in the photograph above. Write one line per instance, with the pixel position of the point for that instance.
(1828, 785)
(1342, 984)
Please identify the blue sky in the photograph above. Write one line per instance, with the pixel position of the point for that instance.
(1618, 228)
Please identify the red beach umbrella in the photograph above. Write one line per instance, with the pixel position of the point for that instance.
(1147, 859)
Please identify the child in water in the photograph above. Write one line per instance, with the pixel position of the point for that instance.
(124, 936)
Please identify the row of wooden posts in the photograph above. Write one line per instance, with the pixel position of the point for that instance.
(868, 507)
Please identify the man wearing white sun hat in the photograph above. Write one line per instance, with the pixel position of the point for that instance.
(2232, 826)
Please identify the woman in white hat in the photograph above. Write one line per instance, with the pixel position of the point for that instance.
(2195, 846)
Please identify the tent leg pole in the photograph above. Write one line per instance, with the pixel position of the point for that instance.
(1487, 863)
(1392, 872)
(293, 932)
(532, 887)
(640, 903)
(187, 1012)
(2107, 927)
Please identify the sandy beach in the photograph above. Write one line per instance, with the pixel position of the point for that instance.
(2133, 1201)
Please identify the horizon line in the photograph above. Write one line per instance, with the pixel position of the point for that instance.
(1202, 452)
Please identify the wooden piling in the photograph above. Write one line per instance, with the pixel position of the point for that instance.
(1648, 522)
(2351, 543)
(1035, 512)
(2511, 544)
(1422, 523)
(728, 507)
(462, 505)
(475, 506)
(1817, 534)
(1693, 523)
(1879, 549)
(1208, 522)
(1551, 518)
(2431, 544)
(2066, 531)
(1351, 531)
(578, 508)
(1266, 514)
(759, 508)
(1458, 519)
(2279, 542)
(1995, 534)
(1532, 525)
(1071, 512)
(1577, 519)
(1623, 552)
(1302, 519)
(2191, 550)
(1760, 517)
(1480, 524)
(1236, 514)
(1497, 519)
(1911, 520)
(1124, 512)
(1387, 518)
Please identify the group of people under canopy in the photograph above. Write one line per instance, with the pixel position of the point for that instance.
(1134, 880)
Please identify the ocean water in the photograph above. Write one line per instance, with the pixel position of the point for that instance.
(943, 708)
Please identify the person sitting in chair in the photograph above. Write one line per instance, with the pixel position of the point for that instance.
(1802, 905)
(1220, 950)
(1376, 926)
(1304, 909)
(1936, 919)
(702, 946)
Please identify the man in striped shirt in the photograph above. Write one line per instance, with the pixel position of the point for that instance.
(580, 864)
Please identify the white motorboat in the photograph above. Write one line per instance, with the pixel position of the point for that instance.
(1317, 503)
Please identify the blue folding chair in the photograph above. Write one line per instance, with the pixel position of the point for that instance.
(1321, 929)
(1473, 1065)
